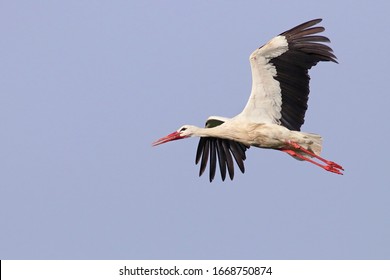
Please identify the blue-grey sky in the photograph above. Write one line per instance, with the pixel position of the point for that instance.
(87, 86)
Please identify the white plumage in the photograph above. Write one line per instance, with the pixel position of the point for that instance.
(265, 101)
(276, 108)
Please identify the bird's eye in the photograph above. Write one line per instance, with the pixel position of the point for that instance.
(183, 129)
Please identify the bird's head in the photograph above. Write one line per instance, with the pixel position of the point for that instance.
(183, 132)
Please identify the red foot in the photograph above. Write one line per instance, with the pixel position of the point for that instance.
(335, 165)
(330, 165)
(331, 168)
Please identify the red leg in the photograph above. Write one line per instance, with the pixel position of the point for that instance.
(330, 165)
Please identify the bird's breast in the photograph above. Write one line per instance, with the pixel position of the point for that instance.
(254, 134)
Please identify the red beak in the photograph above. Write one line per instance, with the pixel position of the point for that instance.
(170, 137)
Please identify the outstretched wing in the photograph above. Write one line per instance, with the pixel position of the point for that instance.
(210, 148)
(280, 80)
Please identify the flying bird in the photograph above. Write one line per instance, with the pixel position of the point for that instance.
(275, 111)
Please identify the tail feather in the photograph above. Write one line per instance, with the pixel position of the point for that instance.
(309, 141)
(316, 143)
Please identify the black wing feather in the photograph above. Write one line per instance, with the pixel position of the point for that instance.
(221, 158)
(213, 158)
(211, 148)
(305, 50)
(238, 155)
(229, 160)
(205, 157)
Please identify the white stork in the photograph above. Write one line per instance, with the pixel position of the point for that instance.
(276, 108)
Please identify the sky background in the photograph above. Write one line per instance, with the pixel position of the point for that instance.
(87, 86)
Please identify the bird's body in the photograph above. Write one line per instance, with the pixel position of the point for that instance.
(275, 110)
(260, 135)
